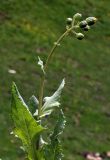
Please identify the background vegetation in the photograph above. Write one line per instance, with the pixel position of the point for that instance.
(28, 29)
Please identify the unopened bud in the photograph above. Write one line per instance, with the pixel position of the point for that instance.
(79, 36)
(86, 28)
(82, 24)
(69, 21)
(77, 15)
(91, 20)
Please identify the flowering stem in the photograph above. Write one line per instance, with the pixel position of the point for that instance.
(56, 44)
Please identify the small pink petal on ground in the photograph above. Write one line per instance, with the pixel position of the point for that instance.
(108, 154)
(90, 157)
(93, 157)
(98, 158)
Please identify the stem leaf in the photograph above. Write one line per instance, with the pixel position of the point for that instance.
(40, 63)
(26, 127)
(33, 104)
(54, 149)
(53, 101)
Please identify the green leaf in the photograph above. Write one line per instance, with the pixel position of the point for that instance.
(40, 63)
(53, 101)
(33, 104)
(54, 149)
(26, 127)
(60, 125)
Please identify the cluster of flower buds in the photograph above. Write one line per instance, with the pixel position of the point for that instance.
(84, 25)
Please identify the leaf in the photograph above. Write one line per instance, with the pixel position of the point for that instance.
(33, 104)
(60, 125)
(42, 142)
(26, 127)
(53, 101)
(40, 63)
(54, 149)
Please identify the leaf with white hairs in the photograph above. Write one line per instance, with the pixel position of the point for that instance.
(53, 101)
(40, 63)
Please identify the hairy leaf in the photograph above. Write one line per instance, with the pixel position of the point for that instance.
(53, 101)
(26, 127)
(54, 149)
(40, 63)
(33, 104)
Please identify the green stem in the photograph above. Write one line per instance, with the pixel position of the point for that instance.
(56, 44)
(41, 95)
(34, 152)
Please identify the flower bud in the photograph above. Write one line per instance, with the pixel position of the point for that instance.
(69, 21)
(77, 15)
(82, 24)
(86, 28)
(91, 20)
(79, 36)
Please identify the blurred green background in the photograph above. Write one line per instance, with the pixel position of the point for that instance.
(28, 29)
